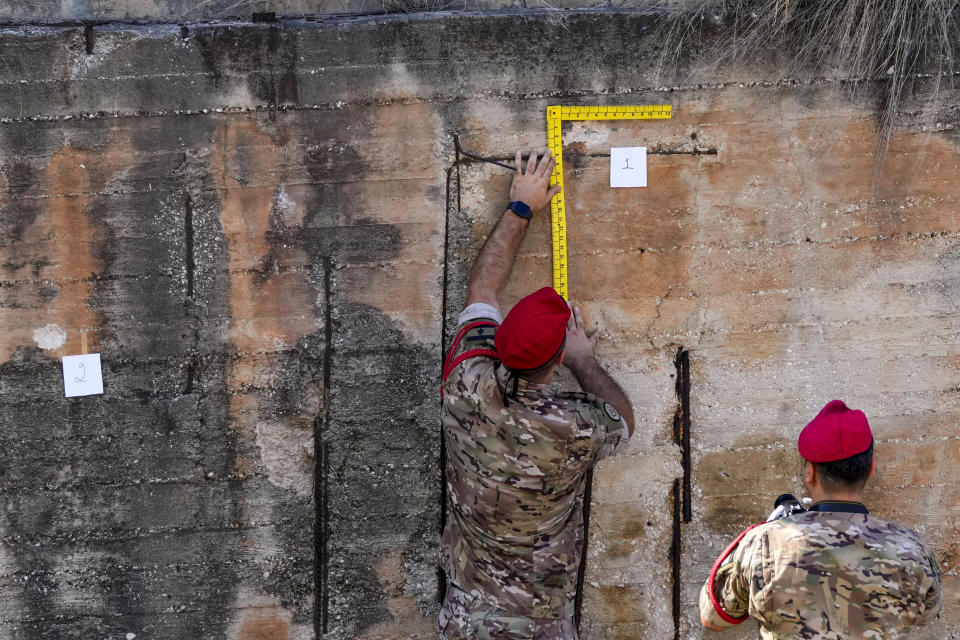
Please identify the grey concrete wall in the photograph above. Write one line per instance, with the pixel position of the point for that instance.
(263, 230)
(176, 11)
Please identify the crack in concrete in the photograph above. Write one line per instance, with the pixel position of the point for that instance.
(453, 175)
(659, 301)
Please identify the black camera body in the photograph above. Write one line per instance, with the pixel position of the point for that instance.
(785, 506)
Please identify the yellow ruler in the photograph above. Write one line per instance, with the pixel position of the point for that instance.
(558, 218)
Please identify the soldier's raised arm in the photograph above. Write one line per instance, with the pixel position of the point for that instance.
(518, 449)
(528, 193)
(579, 357)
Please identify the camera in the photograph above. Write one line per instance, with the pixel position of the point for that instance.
(785, 506)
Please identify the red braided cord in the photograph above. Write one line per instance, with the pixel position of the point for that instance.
(459, 337)
(713, 576)
(449, 366)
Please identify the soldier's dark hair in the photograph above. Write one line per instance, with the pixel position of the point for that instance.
(849, 473)
(529, 373)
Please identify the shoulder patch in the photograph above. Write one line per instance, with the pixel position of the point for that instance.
(611, 412)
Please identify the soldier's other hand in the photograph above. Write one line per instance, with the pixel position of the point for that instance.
(530, 183)
(580, 346)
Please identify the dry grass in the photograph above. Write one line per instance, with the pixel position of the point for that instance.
(863, 41)
(412, 6)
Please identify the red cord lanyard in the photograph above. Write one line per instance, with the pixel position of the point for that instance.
(713, 576)
(451, 362)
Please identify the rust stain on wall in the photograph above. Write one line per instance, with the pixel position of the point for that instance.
(272, 306)
(730, 493)
(263, 625)
(63, 246)
(623, 604)
(392, 188)
(408, 622)
(783, 270)
(627, 244)
(622, 537)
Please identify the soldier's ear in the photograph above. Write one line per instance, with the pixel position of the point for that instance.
(870, 475)
(809, 472)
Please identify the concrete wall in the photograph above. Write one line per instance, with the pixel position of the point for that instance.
(177, 11)
(264, 232)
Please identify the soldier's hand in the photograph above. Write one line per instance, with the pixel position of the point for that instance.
(580, 346)
(530, 184)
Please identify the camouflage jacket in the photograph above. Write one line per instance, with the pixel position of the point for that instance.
(515, 478)
(828, 575)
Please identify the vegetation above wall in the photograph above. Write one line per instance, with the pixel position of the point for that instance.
(863, 41)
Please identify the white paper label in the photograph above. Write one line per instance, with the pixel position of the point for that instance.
(82, 375)
(628, 167)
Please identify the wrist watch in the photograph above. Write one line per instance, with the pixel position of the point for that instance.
(521, 209)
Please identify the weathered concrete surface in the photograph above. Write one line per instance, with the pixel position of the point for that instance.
(178, 11)
(264, 231)
(790, 283)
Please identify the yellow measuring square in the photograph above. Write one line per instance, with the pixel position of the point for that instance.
(558, 218)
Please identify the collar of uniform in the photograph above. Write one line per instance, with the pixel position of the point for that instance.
(504, 376)
(842, 506)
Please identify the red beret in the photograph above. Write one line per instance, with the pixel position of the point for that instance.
(835, 434)
(533, 332)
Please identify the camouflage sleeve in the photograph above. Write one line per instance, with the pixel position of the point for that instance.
(932, 598)
(733, 581)
(609, 428)
(708, 614)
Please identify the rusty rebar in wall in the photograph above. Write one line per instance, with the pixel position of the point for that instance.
(676, 551)
(453, 176)
(681, 427)
(321, 569)
(680, 493)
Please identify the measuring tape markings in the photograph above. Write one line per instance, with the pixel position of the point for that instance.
(558, 222)
(556, 114)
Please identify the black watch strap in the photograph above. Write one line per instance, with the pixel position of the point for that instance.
(521, 209)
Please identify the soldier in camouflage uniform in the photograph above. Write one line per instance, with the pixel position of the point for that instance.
(517, 451)
(835, 571)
